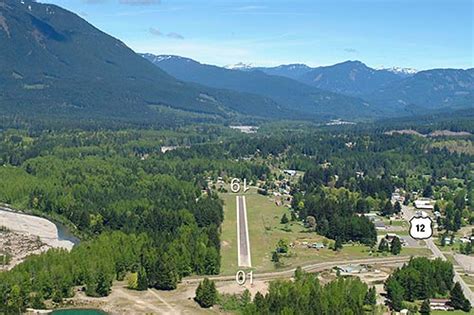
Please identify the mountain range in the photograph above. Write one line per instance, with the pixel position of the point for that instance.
(292, 93)
(54, 63)
(383, 92)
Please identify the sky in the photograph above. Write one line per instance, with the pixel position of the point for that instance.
(420, 34)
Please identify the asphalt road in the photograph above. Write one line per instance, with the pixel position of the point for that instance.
(408, 213)
(243, 233)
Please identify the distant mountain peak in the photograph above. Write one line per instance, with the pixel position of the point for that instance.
(294, 66)
(400, 70)
(239, 66)
(351, 62)
(159, 58)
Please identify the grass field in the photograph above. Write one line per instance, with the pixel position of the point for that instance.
(451, 312)
(400, 233)
(469, 280)
(265, 231)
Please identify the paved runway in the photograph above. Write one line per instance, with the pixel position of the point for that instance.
(243, 247)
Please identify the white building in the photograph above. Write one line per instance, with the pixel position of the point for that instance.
(425, 204)
(290, 172)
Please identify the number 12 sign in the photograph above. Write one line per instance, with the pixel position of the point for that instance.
(421, 228)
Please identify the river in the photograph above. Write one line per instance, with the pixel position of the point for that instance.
(51, 233)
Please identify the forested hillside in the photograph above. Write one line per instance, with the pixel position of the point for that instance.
(54, 64)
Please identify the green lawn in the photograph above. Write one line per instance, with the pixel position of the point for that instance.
(468, 279)
(451, 313)
(401, 233)
(401, 223)
(265, 230)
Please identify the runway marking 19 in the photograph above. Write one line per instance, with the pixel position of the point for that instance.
(235, 185)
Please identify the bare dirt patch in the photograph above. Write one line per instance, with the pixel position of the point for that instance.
(23, 235)
(18, 246)
(124, 301)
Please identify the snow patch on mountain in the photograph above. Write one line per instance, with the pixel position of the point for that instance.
(400, 70)
(239, 66)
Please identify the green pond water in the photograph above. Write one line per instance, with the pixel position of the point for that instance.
(79, 312)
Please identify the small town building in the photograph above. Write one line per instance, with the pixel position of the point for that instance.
(371, 216)
(380, 225)
(440, 305)
(351, 269)
(290, 172)
(397, 197)
(390, 236)
(317, 245)
(424, 204)
(448, 240)
(421, 213)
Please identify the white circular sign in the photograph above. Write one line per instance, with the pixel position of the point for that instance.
(421, 228)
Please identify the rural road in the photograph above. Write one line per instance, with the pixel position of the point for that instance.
(408, 213)
(243, 248)
(314, 267)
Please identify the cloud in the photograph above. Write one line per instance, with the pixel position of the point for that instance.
(351, 50)
(155, 31)
(175, 35)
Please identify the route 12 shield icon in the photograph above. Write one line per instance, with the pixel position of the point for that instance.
(421, 227)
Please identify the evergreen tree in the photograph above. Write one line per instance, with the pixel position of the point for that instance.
(293, 216)
(167, 275)
(142, 281)
(467, 249)
(383, 245)
(338, 244)
(425, 307)
(371, 297)
(443, 240)
(275, 257)
(260, 302)
(396, 246)
(299, 274)
(284, 219)
(206, 293)
(104, 283)
(458, 300)
(457, 220)
(387, 210)
(397, 207)
(428, 191)
(282, 247)
(245, 298)
(395, 293)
